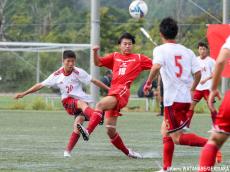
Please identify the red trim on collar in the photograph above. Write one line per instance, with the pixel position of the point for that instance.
(66, 74)
(170, 41)
(61, 70)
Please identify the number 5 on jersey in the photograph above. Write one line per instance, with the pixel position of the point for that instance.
(179, 66)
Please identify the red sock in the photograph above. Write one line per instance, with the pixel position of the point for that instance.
(72, 141)
(189, 115)
(88, 112)
(213, 115)
(168, 150)
(191, 139)
(118, 143)
(208, 157)
(94, 121)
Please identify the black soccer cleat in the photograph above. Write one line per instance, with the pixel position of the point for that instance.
(83, 132)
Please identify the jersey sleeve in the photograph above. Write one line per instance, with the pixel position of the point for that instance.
(195, 63)
(146, 62)
(50, 81)
(158, 57)
(84, 77)
(107, 61)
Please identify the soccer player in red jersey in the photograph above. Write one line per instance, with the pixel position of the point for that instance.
(203, 88)
(126, 66)
(70, 79)
(177, 66)
(221, 127)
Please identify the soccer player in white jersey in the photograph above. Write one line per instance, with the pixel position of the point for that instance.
(70, 79)
(221, 127)
(177, 66)
(203, 88)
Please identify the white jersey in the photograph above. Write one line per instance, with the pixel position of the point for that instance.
(207, 68)
(71, 85)
(227, 43)
(177, 65)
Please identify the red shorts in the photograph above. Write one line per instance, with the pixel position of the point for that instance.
(222, 121)
(122, 94)
(70, 105)
(175, 116)
(199, 94)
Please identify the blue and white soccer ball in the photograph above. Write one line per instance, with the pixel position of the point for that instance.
(138, 9)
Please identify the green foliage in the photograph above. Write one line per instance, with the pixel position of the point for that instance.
(39, 104)
(18, 105)
(69, 22)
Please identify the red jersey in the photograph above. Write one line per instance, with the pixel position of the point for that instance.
(126, 68)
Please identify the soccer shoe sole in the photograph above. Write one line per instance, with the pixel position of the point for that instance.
(83, 133)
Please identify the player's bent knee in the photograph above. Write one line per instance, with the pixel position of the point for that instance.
(100, 106)
(176, 138)
(218, 139)
(164, 131)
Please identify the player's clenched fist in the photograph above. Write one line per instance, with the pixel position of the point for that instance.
(147, 87)
(19, 95)
(211, 98)
(95, 48)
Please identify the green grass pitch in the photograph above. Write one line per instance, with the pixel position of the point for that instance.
(35, 141)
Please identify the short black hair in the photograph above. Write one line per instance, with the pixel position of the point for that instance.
(169, 28)
(68, 54)
(202, 44)
(126, 35)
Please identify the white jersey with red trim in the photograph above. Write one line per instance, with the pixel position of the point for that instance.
(207, 68)
(227, 43)
(70, 85)
(177, 65)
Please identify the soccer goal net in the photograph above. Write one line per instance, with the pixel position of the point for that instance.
(23, 64)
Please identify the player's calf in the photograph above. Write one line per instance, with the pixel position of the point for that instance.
(111, 131)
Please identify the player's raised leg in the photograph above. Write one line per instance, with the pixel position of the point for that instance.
(108, 102)
(86, 109)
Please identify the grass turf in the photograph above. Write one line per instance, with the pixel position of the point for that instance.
(35, 141)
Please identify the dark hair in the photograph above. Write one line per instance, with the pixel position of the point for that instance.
(68, 54)
(126, 35)
(202, 44)
(169, 28)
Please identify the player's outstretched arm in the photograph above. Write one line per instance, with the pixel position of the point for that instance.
(96, 57)
(33, 89)
(153, 73)
(100, 84)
